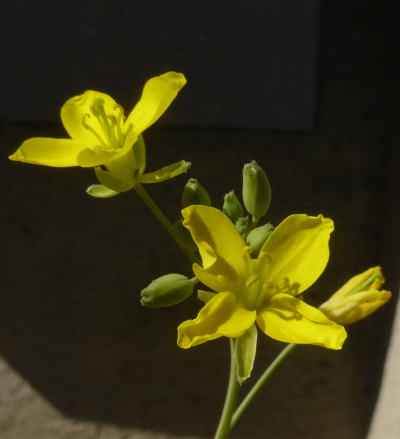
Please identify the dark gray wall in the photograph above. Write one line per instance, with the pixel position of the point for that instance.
(250, 64)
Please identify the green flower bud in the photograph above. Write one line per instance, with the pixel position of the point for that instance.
(243, 226)
(232, 206)
(167, 290)
(194, 193)
(256, 238)
(256, 190)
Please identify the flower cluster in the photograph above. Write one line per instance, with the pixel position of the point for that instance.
(257, 273)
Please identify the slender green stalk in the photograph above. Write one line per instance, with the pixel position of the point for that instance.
(163, 220)
(194, 280)
(261, 381)
(232, 393)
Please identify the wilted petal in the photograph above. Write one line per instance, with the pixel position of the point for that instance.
(353, 308)
(371, 279)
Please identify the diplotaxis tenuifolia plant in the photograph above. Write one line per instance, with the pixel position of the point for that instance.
(255, 273)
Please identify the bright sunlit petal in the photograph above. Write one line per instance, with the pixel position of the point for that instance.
(291, 320)
(221, 316)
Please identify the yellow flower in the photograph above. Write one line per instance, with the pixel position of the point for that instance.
(101, 135)
(261, 290)
(358, 298)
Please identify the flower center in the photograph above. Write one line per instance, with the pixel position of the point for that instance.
(259, 292)
(106, 127)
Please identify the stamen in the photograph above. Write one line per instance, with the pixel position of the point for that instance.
(92, 130)
(120, 114)
(116, 133)
(264, 258)
(119, 122)
(251, 281)
(109, 123)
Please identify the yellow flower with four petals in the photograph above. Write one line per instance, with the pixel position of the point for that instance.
(261, 290)
(103, 138)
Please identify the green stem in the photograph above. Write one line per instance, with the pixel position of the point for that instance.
(194, 280)
(261, 381)
(232, 393)
(163, 220)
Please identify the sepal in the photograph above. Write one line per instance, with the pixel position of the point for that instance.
(111, 181)
(139, 153)
(100, 191)
(205, 296)
(165, 173)
(246, 347)
(256, 238)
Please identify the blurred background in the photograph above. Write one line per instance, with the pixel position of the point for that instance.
(310, 90)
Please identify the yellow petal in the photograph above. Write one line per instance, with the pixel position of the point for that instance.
(356, 282)
(158, 93)
(353, 308)
(222, 249)
(96, 156)
(222, 316)
(290, 320)
(48, 152)
(78, 112)
(298, 249)
(216, 282)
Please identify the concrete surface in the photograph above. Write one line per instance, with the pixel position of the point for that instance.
(36, 418)
(386, 417)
